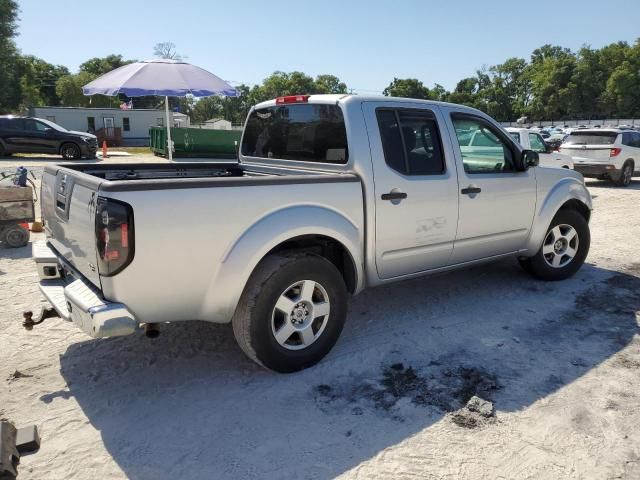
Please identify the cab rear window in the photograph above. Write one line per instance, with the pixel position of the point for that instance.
(305, 132)
(591, 138)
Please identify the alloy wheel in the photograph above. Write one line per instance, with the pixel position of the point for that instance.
(300, 315)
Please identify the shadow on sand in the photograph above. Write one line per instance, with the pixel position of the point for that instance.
(190, 405)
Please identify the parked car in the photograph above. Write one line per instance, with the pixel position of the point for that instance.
(332, 194)
(605, 153)
(36, 135)
(534, 141)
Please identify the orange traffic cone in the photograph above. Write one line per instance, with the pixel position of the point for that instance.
(104, 149)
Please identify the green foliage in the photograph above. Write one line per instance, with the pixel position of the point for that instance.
(99, 66)
(9, 80)
(407, 88)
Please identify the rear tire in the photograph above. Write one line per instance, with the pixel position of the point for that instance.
(70, 151)
(564, 249)
(15, 236)
(624, 180)
(291, 312)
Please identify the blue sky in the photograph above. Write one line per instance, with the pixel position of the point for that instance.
(365, 43)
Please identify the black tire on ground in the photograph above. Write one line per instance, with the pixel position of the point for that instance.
(256, 317)
(70, 151)
(15, 236)
(624, 180)
(540, 265)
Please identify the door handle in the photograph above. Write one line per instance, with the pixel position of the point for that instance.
(393, 196)
(470, 190)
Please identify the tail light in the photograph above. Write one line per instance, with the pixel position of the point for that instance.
(292, 99)
(114, 235)
(614, 152)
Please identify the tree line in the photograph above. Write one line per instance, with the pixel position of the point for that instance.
(555, 83)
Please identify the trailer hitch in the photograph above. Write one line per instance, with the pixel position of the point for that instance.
(28, 322)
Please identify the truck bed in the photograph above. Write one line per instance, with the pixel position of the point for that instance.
(156, 176)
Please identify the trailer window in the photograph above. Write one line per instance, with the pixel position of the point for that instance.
(305, 132)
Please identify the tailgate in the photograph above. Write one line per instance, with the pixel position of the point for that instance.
(68, 207)
(588, 153)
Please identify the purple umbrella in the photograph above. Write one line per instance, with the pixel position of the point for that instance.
(163, 77)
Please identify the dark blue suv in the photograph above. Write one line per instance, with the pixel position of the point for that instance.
(35, 135)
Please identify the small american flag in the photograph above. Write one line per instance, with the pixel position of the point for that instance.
(126, 105)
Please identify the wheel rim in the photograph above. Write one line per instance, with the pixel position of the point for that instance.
(69, 152)
(560, 246)
(626, 175)
(300, 315)
(15, 237)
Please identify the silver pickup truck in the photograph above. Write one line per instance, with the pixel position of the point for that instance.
(331, 194)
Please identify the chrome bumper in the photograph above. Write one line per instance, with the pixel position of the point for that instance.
(76, 300)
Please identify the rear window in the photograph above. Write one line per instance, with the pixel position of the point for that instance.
(591, 138)
(306, 132)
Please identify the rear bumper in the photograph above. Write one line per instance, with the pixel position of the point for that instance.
(77, 300)
(595, 169)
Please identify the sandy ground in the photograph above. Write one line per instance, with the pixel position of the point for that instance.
(560, 362)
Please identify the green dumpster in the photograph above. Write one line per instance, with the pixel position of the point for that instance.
(195, 142)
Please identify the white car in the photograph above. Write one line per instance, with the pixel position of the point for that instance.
(533, 141)
(605, 153)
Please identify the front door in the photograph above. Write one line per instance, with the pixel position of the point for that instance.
(416, 199)
(497, 202)
(109, 125)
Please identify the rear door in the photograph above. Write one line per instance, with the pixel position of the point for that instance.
(68, 207)
(416, 200)
(37, 137)
(497, 203)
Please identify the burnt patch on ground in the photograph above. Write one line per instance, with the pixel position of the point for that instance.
(446, 389)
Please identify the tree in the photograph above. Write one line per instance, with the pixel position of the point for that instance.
(9, 81)
(69, 90)
(167, 50)
(329, 84)
(407, 88)
(38, 81)
(99, 66)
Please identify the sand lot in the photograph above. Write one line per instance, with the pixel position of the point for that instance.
(560, 362)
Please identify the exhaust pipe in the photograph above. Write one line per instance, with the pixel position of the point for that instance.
(151, 330)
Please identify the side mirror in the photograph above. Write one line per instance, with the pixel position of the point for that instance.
(529, 159)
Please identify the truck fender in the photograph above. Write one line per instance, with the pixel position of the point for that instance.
(271, 230)
(566, 190)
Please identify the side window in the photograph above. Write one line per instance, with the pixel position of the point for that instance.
(515, 136)
(635, 139)
(411, 141)
(482, 148)
(626, 139)
(126, 126)
(91, 124)
(537, 143)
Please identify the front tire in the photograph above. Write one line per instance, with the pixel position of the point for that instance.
(291, 312)
(564, 249)
(70, 151)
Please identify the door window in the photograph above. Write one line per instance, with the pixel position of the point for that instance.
(482, 147)
(410, 141)
(34, 126)
(537, 143)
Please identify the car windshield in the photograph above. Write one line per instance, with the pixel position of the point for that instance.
(55, 126)
(591, 138)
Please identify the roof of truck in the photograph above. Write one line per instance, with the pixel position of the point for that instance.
(346, 97)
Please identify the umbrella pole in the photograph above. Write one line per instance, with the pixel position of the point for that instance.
(166, 111)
